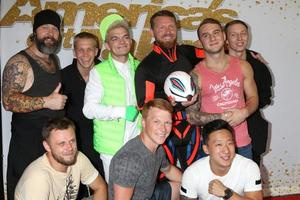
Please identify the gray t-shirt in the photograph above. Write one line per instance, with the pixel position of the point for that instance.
(137, 167)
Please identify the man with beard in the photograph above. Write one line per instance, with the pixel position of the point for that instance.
(57, 173)
(30, 88)
(225, 86)
(167, 56)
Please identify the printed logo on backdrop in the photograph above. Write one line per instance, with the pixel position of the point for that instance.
(189, 17)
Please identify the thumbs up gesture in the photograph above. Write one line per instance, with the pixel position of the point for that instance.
(55, 101)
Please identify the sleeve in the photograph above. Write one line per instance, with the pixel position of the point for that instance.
(188, 188)
(34, 188)
(194, 54)
(253, 178)
(144, 89)
(263, 79)
(93, 109)
(125, 170)
(88, 173)
(165, 162)
(264, 85)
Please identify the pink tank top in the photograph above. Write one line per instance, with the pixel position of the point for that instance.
(222, 91)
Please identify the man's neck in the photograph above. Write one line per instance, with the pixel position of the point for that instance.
(84, 71)
(55, 165)
(239, 54)
(217, 170)
(148, 142)
(217, 61)
(122, 59)
(163, 47)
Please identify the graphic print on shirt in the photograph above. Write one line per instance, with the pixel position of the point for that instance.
(71, 189)
(224, 94)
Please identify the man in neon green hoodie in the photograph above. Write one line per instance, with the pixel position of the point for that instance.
(110, 94)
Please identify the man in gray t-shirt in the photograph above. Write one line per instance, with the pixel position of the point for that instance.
(134, 168)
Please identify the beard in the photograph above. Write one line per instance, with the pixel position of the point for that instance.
(62, 160)
(167, 45)
(48, 48)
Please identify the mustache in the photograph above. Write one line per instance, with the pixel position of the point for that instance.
(168, 35)
(50, 38)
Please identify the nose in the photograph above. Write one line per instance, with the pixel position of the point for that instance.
(162, 127)
(226, 149)
(169, 30)
(212, 37)
(85, 53)
(239, 37)
(69, 146)
(122, 40)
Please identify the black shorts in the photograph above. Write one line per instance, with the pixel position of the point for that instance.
(162, 191)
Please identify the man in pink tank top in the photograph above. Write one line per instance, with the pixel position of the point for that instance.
(225, 86)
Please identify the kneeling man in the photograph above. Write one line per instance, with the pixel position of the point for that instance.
(134, 168)
(56, 175)
(223, 174)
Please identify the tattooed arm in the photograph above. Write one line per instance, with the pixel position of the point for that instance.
(17, 78)
(194, 115)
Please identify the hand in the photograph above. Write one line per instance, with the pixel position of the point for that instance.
(131, 113)
(172, 101)
(226, 115)
(259, 57)
(191, 102)
(216, 187)
(235, 116)
(55, 101)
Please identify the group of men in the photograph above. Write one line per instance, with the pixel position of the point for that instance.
(103, 100)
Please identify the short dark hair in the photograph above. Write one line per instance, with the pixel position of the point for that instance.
(161, 13)
(157, 103)
(86, 35)
(235, 22)
(208, 21)
(62, 123)
(213, 126)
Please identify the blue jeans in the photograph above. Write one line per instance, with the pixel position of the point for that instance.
(245, 151)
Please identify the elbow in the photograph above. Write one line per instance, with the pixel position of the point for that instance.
(86, 112)
(6, 105)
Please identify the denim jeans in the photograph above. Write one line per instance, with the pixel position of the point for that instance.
(245, 151)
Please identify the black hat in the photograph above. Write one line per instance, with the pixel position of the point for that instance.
(46, 17)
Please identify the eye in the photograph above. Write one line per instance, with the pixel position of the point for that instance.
(61, 144)
(126, 37)
(156, 121)
(233, 35)
(243, 34)
(113, 39)
(168, 123)
(205, 35)
(230, 143)
(217, 32)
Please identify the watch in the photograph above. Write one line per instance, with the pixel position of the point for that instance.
(228, 194)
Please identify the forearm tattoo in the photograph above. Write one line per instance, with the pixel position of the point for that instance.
(194, 111)
(14, 78)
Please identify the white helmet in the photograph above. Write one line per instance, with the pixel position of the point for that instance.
(180, 86)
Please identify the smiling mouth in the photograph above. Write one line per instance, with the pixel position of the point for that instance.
(122, 47)
(226, 158)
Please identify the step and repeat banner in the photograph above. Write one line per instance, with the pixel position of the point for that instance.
(274, 33)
